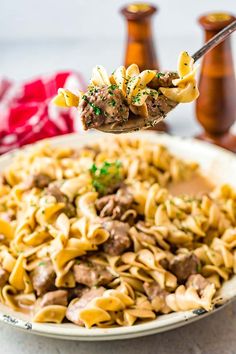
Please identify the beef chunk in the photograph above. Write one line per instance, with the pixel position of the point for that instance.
(164, 263)
(69, 208)
(103, 106)
(106, 205)
(114, 205)
(157, 296)
(39, 181)
(55, 191)
(159, 106)
(184, 265)
(163, 80)
(4, 276)
(43, 277)
(152, 290)
(119, 240)
(77, 304)
(92, 274)
(57, 297)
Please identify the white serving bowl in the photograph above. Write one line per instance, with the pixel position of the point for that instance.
(218, 164)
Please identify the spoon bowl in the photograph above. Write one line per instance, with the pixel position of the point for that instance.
(135, 123)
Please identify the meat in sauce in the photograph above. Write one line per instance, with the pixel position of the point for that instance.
(55, 191)
(92, 274)
(57, 297)
(101, 106)
(184, 265)
(163, 79)
(40, 180)
(157, 296)
(43, 277)
(119, 240)
(77, 304)
(114, 205)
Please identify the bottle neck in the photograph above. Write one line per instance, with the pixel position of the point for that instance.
(140, 30)
(219, 61)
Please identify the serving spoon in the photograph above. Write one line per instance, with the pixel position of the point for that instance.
(135, 123)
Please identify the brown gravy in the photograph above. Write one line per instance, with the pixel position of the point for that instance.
(196, 185)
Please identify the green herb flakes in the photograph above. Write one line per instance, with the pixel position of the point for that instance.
(106, 176)
(158, 75)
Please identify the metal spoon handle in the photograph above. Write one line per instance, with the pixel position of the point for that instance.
(214, 41)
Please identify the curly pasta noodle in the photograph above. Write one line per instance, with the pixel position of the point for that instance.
(62, 255)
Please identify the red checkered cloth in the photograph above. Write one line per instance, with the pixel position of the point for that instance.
(26, 111)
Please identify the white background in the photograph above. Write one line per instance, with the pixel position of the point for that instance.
(43, 36)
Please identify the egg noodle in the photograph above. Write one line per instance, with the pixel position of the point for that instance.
(57, 223)
(134, 85)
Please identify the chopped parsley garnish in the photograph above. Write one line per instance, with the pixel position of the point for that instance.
(106, 176)
(112, 87)
(41, 264)
(136, 99)
(96, 109)
(159, 75)
(112, 103)
(152, 93)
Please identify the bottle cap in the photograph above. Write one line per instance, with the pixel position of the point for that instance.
(138, 10)
(216, 21)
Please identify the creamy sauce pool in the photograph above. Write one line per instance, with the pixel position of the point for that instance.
(195, 186)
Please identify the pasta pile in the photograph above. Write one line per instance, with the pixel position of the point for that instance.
(66, 253)
(134, 86)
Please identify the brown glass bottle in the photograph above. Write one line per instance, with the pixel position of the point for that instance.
(139, 43)
(216, 105)
(140, 48)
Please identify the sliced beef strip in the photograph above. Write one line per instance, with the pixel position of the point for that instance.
(114, 205)
(57, 297)
(4, 276)
(78, 304)
(39, 180)
(163, 80)
(92, 274)
(198, 282)
(184, 265)
(101, 106)
(55, 191)
(43, 277)
(119, 240)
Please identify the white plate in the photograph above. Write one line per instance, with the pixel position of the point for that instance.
(218, 164)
